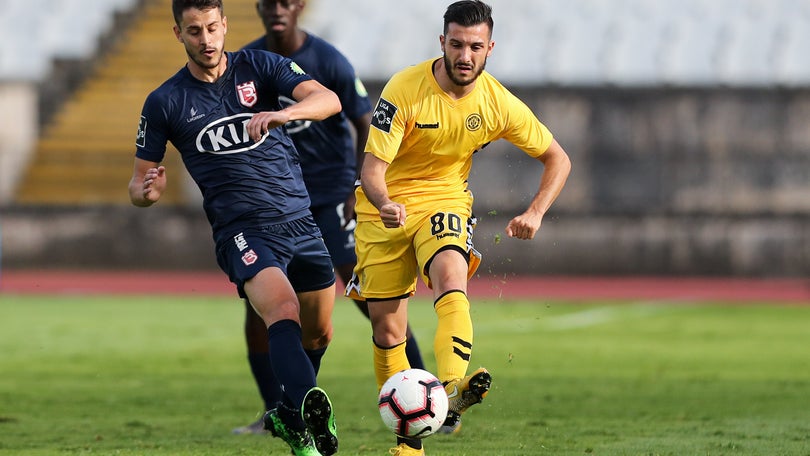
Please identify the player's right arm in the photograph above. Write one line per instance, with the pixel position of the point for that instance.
(147, 184)
(384, 139)
(149, 178)
(372, 179)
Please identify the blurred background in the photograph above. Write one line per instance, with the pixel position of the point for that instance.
(687, 122)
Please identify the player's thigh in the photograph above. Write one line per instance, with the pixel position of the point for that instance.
(389, 321)
(272, 296)
(250, 252)
(312, 276)
(386, 262)
(316, 317)
(310, 268)
(447, 231)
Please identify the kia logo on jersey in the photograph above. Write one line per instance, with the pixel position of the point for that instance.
(228, 135)
(247, 93)
(293, 126)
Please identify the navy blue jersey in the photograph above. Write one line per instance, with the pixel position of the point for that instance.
(242, 182)
(327, 150)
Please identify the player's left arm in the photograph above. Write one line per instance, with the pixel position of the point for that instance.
(314, 102)
(556, 167)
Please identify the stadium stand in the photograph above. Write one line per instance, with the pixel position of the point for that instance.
(592, 42)
(83, 154)
(36, 31)
(686, 121)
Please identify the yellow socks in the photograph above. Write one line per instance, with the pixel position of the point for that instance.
(389, 361)
(454, 335)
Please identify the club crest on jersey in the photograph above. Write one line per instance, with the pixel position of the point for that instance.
(473, 122)
(247, 93)
(383, 115)
(249, 257)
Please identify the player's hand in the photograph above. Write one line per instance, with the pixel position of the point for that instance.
(154, 182)
(524, 226)
(392, 215)
(264, 121)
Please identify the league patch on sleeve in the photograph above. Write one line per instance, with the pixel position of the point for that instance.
(140, 138)
(359, 87)
(383, 115)
(296, 69)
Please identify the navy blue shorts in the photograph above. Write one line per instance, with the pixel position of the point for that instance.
(340, 242)
(296, 247)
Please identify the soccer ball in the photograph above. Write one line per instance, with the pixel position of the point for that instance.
(413, 403)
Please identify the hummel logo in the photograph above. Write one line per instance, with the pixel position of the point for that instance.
(430, 125)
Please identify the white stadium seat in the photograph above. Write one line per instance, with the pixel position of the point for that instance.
(555, 42)
(590, 42)
(34, 32)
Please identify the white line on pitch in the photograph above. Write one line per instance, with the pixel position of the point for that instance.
(602, 315)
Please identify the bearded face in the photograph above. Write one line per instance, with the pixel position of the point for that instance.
(465, 51)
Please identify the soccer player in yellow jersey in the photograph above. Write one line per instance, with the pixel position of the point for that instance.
(414, 209)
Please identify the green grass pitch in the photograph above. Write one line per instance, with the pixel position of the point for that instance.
(162, 375)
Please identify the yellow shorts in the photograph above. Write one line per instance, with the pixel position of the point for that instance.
(389, 260)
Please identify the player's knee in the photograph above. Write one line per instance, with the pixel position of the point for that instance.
(274, 312)
(388, 336)
(318, 342)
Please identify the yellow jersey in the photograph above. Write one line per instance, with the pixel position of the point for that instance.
(428, 138)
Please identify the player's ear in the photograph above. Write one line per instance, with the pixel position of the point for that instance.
(225, 24)
(177, 35)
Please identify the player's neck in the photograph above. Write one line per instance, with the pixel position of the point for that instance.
(206, 74)
(286, 44)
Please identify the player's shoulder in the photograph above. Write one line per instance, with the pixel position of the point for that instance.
(256, 57)
(250, 55)
(493, 88)
(411, 73)
(491, 82)
(171, 85)
(411, 81)
(325, 52)
(320, 44)
(258, 43)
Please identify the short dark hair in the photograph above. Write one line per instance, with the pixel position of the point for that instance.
(178, 6)
(467, 13)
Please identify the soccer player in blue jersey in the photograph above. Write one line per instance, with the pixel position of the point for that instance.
(329, 156)
(221, 112)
